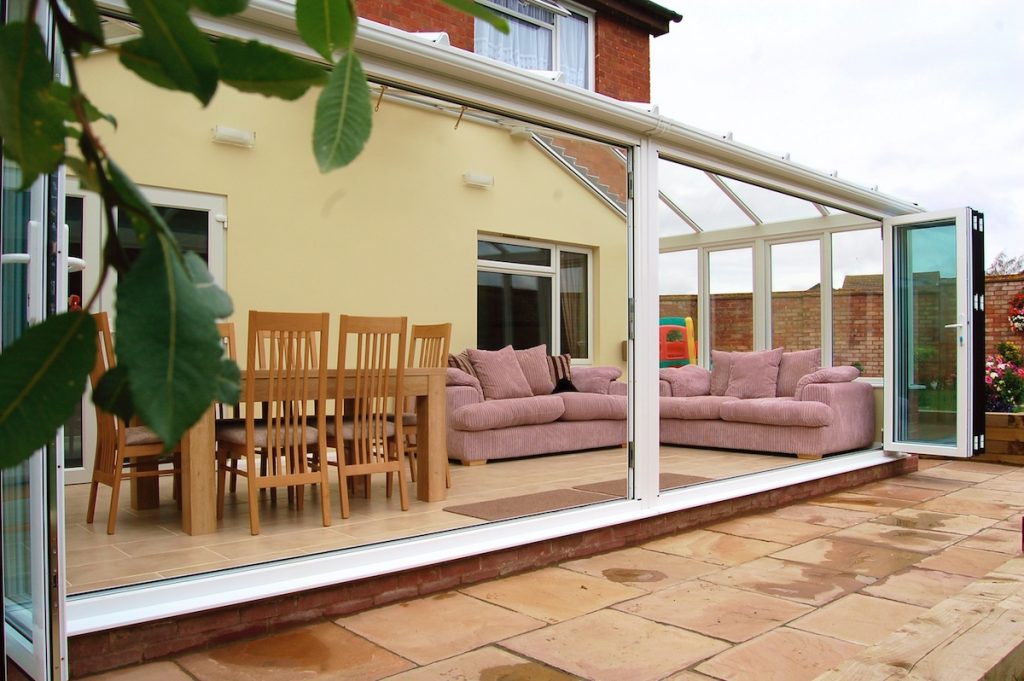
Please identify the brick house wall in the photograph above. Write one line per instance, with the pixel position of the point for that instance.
(622, 51)
(857, 322)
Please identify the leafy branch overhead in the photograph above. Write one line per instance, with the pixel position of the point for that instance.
(170, 365)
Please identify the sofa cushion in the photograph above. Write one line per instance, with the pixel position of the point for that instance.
(701, 408)
(461, 361)
(843, 374)
(534, 363)
(593, 407)
(594, 379)
(721, 362)
(754, 374)
(687, 381)
(517, 411)
(778, 411)
(793, 367)
(499, 373)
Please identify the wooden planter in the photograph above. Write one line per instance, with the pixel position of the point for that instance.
(1004, 438)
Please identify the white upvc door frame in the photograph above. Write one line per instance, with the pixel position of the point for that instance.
(969, 322)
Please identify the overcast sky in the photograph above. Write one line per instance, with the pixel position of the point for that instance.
(923, 99)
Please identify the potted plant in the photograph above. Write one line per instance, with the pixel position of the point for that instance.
(1004, 393)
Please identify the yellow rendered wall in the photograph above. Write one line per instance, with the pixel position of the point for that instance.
(392, 234)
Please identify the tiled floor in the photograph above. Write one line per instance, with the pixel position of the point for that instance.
(150, 545)
(786, 594)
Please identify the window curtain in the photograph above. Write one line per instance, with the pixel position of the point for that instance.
(526, 45)
(573, 49)
(573, 298)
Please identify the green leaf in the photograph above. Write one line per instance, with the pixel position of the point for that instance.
(327, 26)
(85, 173)
(42, 376)
(87, 20)
(220, 8)
(167, 341)
(343, 115)
(480, 12)
(114, 395)
(145, 218)
(179, 47)
(137, 56)
(216, 300)
(32, 132)
(229, 382)
(61, 95)
(255, 67)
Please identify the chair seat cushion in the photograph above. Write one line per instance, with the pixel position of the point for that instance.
(593, 407)
(696, 408)
(140, 435)
(516, 411)
(779, 411)
(233, 433)
(348, 429)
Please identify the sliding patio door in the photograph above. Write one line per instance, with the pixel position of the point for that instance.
(934, 315)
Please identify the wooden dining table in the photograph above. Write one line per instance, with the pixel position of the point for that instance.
(198, 463)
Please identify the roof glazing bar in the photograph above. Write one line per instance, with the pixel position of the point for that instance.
(680, 213)
(821, 209)
(734, 198)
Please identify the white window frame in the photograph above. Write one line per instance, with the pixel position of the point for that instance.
(553, 272)
(554, 7)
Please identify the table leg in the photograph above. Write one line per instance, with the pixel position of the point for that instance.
(146, 491)
(198, 477)
(431, 441)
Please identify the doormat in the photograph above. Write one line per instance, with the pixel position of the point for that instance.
(528, 504)
(617, 488)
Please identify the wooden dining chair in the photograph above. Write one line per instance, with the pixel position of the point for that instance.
(123, 451)
(290, 348)
(363, 430)
(428, 348)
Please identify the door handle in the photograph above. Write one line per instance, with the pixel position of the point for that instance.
(33, 302)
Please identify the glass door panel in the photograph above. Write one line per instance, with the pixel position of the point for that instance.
(930, 309)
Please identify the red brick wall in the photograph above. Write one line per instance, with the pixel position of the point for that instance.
(622, 61)
(421, 15)
(998, 292)
(857, 329)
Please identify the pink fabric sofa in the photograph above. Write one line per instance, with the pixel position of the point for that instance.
(768, 401)
(502, 404)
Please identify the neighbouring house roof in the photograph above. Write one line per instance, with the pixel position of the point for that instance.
(648, 15)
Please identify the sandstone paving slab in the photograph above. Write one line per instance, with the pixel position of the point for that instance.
(156, 671)
(1014, 498)
(930, 520)
(768, 528)
(960, 560)
(1002, 541)
(714, 547)
(858, 618)
(851, 556)
(798, 582)
(780, 655)
(916, 586)
(689, 676)
(923, 479)
(829, 516)
(964, 475)
(422, 629)
(1014, 523)
(862, 502)
(892, 489)
(485, 663)
(899, 537)
(614, 646)
(715, 610)
(954, 505)
(552, 594)
(982, 467)
(641, 568)
(323, 651)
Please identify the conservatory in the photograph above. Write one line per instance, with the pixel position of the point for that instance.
(523, 212)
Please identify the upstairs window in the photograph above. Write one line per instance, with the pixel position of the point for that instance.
(543, 36)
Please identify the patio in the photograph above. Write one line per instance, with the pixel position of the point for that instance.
(920, 572)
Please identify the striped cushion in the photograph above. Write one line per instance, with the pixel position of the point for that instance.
(560, 367)
(461, 361)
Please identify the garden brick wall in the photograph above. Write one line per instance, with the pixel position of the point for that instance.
(622, 52)
(857, 321)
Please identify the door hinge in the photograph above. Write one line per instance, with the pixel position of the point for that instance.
(629, 184)
(631, 327)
